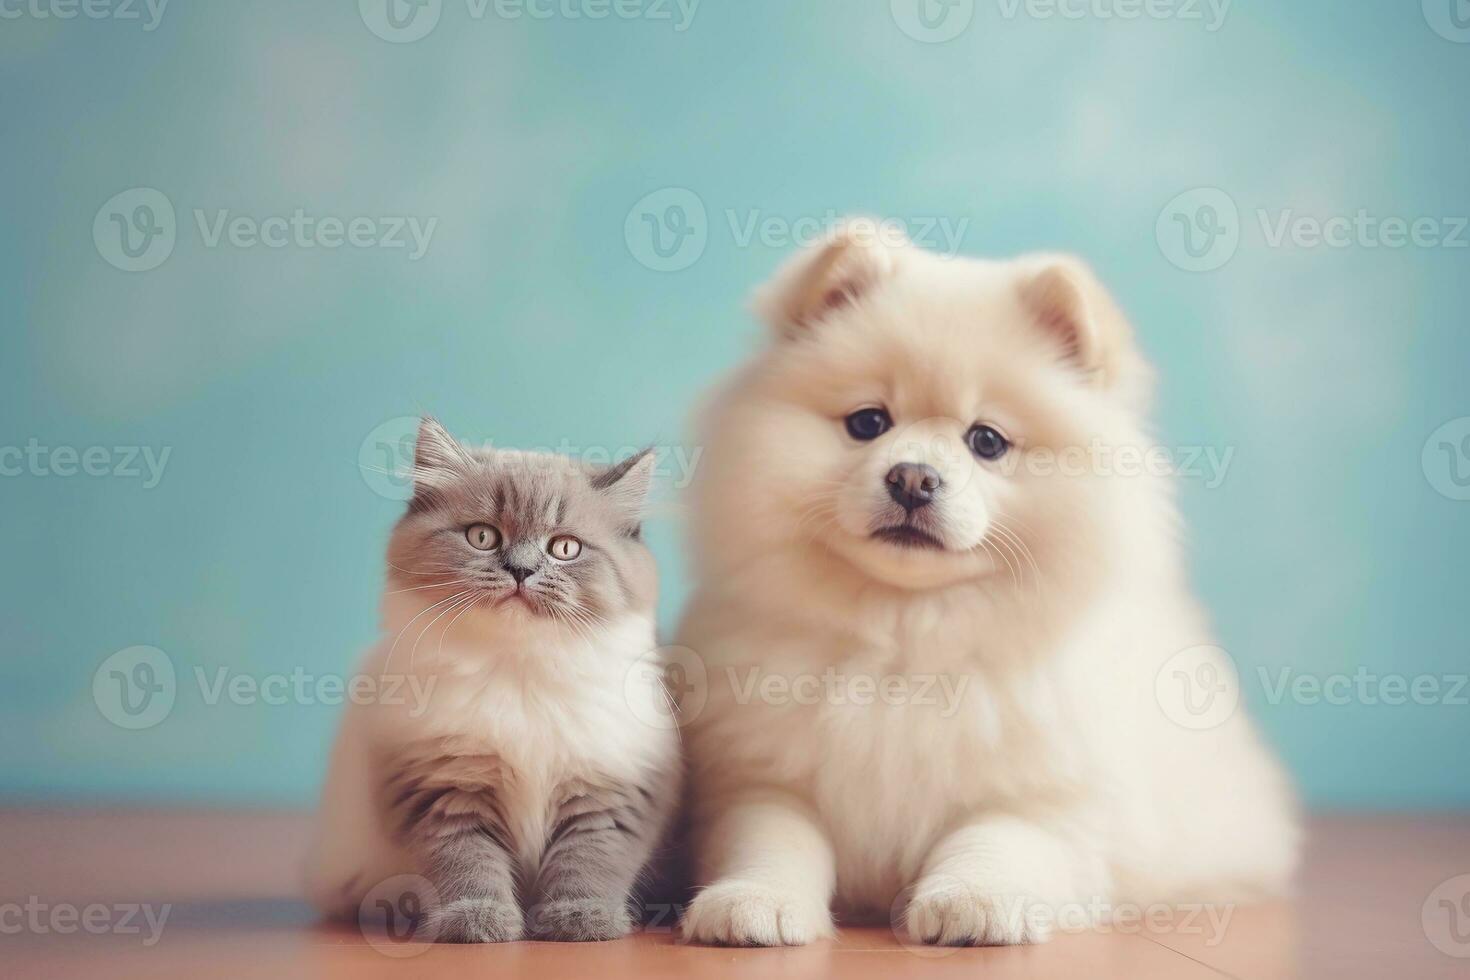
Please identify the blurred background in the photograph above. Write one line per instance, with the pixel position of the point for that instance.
(245, 244)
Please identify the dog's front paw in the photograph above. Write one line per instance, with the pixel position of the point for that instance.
(475, 920)
(581, 920)
(742, 913)
(951, 913)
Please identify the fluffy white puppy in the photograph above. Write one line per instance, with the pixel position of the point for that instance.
(954, 671)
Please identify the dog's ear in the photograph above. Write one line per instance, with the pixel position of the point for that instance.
(1067, 300)
(853, 257)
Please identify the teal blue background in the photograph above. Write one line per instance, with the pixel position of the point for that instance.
(530, 322)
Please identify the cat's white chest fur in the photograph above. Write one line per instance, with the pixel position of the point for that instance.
(551, 709)
(554, 714)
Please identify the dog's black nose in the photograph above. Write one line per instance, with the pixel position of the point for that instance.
(520, 572)
(912, 485)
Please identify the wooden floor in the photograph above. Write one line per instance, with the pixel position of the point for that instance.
(1378, 899)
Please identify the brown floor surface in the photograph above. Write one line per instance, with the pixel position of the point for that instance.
(1379, 897)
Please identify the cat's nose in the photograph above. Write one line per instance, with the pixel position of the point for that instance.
(912, 485)
(520, 572)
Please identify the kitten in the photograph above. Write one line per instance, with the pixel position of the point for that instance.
(898, 490)
(535, 784)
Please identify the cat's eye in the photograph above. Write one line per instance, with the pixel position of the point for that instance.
(987, 442)
(482, 537)
(564, 547)
(867, 424)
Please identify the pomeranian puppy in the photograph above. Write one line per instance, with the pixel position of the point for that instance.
(947, 638)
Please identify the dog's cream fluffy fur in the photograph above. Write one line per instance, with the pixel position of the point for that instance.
(1058, 599)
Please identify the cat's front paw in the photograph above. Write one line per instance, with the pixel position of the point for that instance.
(948, 912)
(578, 920)
(476, 920)
(742, 913)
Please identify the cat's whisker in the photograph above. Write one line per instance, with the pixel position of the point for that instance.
(593, 620)
(567, 616)
(439, 569)
(469, 604)
(396, 474)
(590, 621)
(448, 609)
(431, 585)
(394, 648)
(592, 615)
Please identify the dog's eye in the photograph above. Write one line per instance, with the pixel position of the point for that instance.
(867, 424)
(564, 547)
(986, 442)
(482, 537)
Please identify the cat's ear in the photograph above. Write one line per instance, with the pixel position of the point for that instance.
(625, 485)
(1067, 301)
(852, 258)
(438, 458)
